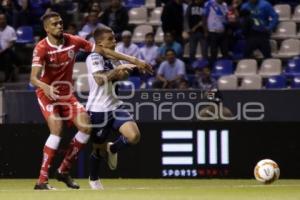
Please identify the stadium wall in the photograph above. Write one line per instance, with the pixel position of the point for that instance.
(170, 106)
(203, 150)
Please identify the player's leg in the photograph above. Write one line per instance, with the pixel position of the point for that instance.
(81, 121)
(50, 148)
(75, 112)
(54, 122)
(95, 159)
(100, 132)
(130, 135)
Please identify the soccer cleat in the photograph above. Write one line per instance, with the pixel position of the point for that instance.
(96, 185)
(66, 178)
(112, 158)
(43, 186)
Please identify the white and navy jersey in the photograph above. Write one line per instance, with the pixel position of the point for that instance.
(101, 98)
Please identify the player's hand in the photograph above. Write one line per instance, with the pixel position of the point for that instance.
(51, 92)
(144, 67)
(127, 67)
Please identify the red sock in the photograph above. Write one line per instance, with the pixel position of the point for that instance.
(48, 155)
(71, 155)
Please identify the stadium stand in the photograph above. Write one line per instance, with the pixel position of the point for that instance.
(270, 67)
(276, 82)
(138, 16)
(228, 82)
(284, 11)
(140, 31)
(246, 67)
(253, 82)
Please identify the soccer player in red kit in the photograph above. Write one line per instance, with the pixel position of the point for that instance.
(52, 67)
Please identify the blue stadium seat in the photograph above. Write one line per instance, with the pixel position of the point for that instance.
(293, 68)
(24, 35)
(128, 84)
(150, 82)
(222, 68)
(276, 82)
(200, 63)
(295, 82)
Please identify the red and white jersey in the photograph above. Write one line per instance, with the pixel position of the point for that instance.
(58, 61)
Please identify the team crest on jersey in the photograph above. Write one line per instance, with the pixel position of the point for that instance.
(71, 53)
(49, 108)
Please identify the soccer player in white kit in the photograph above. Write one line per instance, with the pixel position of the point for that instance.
(105, 109)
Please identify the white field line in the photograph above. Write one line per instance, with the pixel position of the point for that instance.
(155, 188)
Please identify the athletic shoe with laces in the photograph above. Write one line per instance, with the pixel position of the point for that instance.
(112, 158)
(96, 185)
(43, 186)
(66, 178)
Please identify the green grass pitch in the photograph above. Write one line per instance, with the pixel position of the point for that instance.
(155, 189)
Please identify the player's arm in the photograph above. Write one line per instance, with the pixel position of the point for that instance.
(141, 65)
(50, 91)
(36, 70)
(119, 73)
(89, 47)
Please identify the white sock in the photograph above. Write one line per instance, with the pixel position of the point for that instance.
(82, 137)
(53, 141)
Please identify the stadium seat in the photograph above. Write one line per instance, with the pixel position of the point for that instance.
(292, 68)
(253, 82)
(284, 11)
(274, 48)
(133, 81)
(140, 32)
(200, 63)
(246, 67)
(150, 4)
(159, 35)
(270, 67)
(81, 84)
(150, 82)
(138, 16)
(276, 82)
(238, 49)
(289, 48)
(80, 68)
(296, 16)
(222, 67)
(228, 82)
(155, 16)
(285, 30)
(25, 35)
(295, 83)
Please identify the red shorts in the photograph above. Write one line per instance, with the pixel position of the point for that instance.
(67, 109)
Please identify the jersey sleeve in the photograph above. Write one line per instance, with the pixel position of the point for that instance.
(38, 56)
(83, 44)
(95, 63)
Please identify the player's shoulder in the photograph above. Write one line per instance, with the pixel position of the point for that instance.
(42, 44)
(72, 38)
(94, 57)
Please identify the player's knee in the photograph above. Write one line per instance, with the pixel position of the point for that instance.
(87, 130)
(134, 138)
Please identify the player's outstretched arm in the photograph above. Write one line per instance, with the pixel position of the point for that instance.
(50, 91)
(141, 65)
(119, 73)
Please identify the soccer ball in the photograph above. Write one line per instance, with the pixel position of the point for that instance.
(266, 171)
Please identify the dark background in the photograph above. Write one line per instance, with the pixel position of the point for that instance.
(21, 150)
